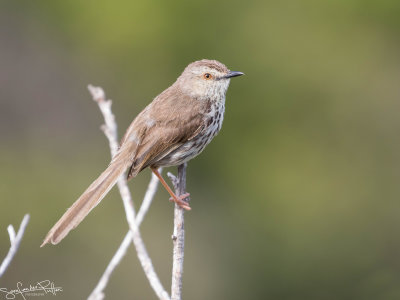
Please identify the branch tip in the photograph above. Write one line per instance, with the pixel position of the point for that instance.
(97, 93)
(173, 179)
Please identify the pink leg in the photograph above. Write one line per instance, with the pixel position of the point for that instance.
(178, 200)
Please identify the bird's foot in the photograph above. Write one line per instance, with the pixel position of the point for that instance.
(180, 200)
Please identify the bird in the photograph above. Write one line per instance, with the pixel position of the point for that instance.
(174, 128)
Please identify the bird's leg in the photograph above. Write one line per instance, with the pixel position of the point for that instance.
(178, 200)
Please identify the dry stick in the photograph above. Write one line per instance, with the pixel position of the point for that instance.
(15, 240)
(178, 237)
(110, 130)
(97, 293)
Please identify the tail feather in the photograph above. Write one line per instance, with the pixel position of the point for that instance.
(86, 202)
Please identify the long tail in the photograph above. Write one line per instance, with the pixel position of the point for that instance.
(89, 199)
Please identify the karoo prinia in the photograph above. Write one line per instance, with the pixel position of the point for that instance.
(175, 127)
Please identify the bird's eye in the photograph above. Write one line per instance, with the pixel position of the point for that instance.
(207, 76)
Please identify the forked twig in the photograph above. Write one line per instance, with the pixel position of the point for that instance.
(15, 240)
(97, 293)
(110, 130)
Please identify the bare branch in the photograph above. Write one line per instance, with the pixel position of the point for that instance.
(15, 240)
(110, 126)
(97, 293)
(178, 236)
(110, 130)
(148, 197)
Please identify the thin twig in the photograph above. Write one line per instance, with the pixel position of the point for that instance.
(97, 293)
(110, 130)
(148, 197)
(15, 240)
(178, 236)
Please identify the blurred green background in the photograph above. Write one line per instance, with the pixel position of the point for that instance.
(298, 196)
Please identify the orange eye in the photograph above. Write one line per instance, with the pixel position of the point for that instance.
(207, 76)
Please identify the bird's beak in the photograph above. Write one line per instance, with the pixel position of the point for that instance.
(233, 74)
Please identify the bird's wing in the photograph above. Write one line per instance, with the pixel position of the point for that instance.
(160, 140)
(170, 122)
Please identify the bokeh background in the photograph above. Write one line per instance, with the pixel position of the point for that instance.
(298, 196)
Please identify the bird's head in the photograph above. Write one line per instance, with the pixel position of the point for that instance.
(206, 79)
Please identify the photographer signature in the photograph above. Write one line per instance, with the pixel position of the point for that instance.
(39, 289)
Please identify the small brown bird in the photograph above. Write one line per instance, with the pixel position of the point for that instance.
(175, 127)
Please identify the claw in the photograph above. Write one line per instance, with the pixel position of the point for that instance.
(180, 201)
